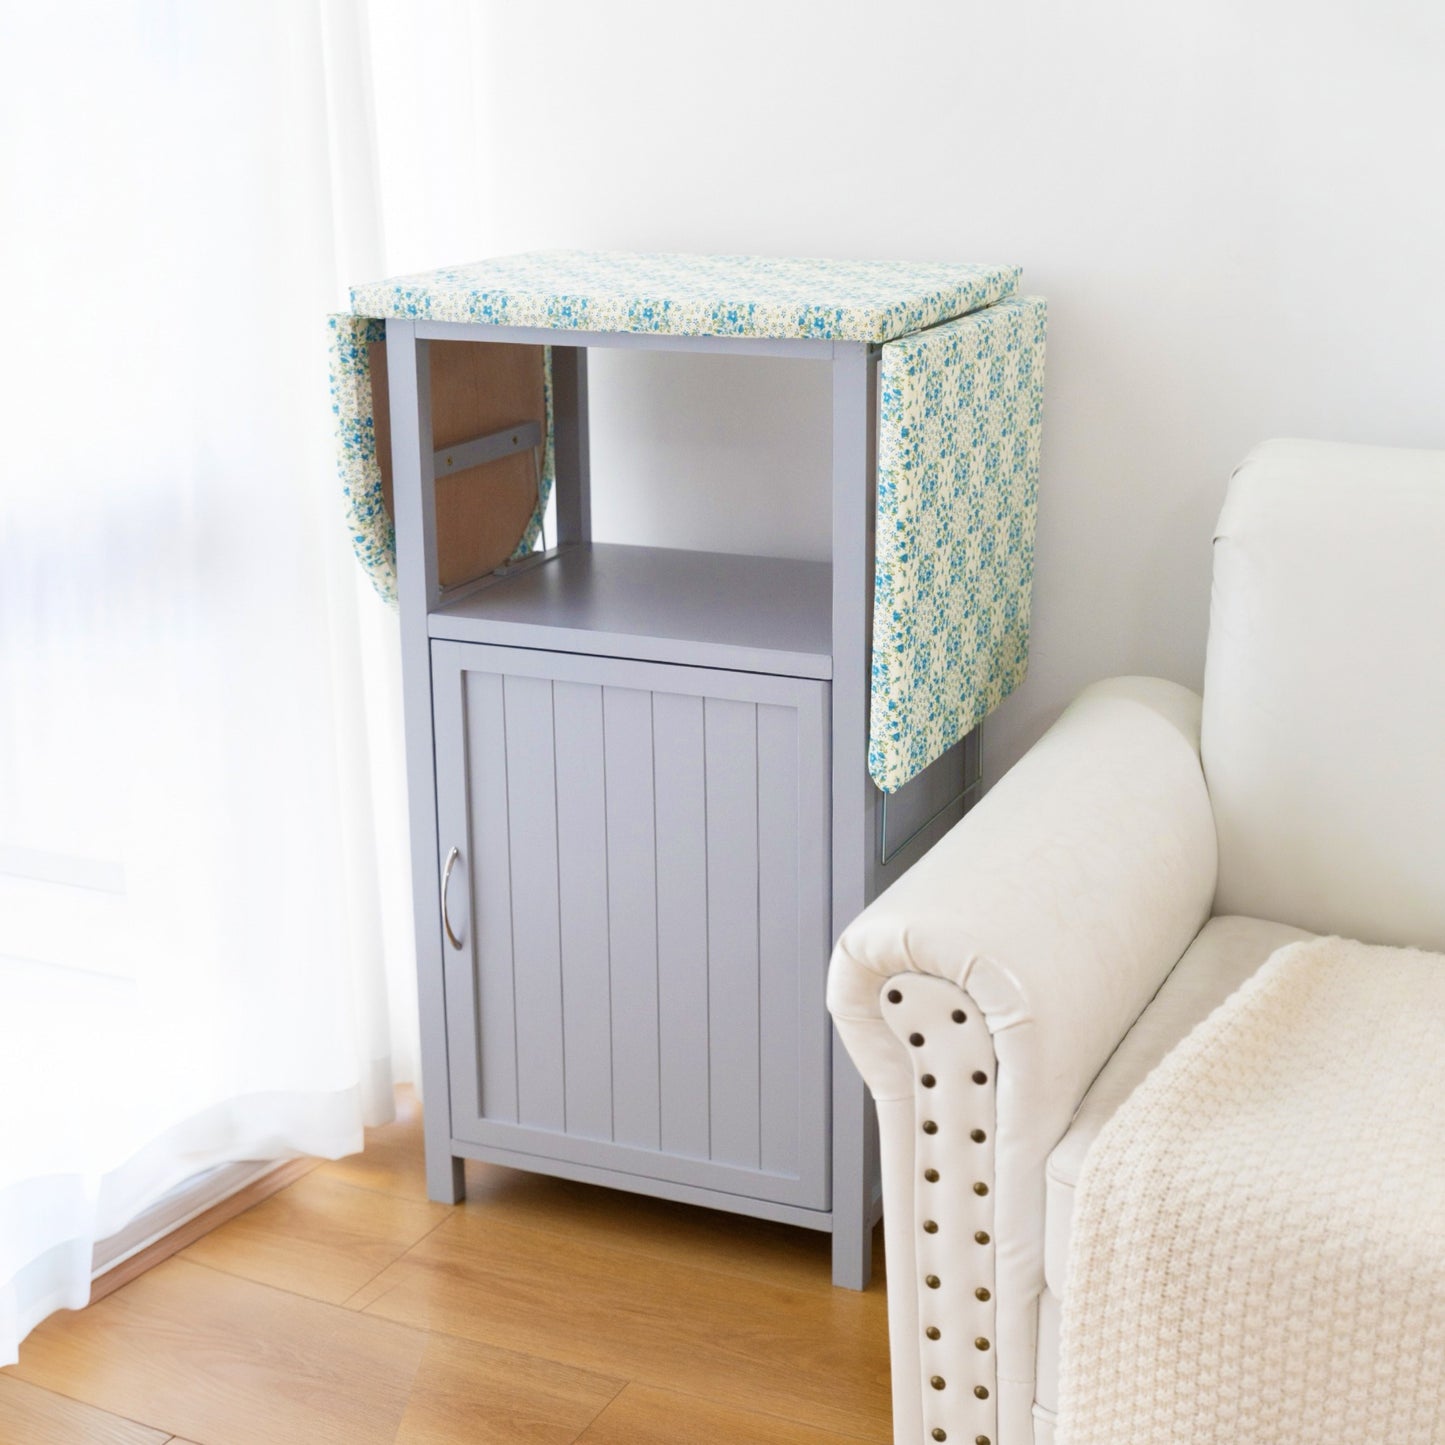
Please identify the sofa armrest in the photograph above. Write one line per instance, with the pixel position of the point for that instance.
(1060, 902)
(1047, 918)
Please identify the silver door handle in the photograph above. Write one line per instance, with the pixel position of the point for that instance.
(446, 880)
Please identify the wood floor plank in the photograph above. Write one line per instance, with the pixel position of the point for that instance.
(641, 1415)
(682, 1233)
(543, 1299)
(318, 1237)
(229, 1362)
(816, 1357)
(471, 1394)
(393, 1161)
(30, 1415)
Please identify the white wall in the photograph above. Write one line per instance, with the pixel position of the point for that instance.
(1235, 211)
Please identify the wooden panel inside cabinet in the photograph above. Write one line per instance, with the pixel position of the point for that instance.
(477, 388)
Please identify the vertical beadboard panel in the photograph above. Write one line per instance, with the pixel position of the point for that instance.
(491, 894)
(645, 917)
(632, 905)
(779, 954)
(682, 913)
(730, 734)
(536, 942)
(582, 875)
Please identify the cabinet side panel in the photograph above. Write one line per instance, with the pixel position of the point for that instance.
(492, 1091)
(730, 737)
(682, 914)
(582, 875)
(780, 958)
(632, 910)
(536, 941)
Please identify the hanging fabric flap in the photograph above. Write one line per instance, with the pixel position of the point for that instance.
(959, 423)
(486, 514)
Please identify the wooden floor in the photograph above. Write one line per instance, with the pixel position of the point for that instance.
(349, 1309)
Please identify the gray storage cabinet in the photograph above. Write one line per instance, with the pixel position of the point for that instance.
(640, 812)
(640, 896)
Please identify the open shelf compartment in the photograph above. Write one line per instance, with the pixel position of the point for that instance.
(658, 604)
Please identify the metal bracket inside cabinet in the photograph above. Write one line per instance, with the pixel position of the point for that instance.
(971, 785)
(488, 448)
(532, 559)
(525, 436)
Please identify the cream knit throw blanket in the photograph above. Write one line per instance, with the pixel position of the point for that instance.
(1259, 1233)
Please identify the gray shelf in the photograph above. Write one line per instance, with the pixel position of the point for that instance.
(659, 604)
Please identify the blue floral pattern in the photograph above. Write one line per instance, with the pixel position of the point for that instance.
(960, 419)
(961, 379)
(694, 295)
(373, 537)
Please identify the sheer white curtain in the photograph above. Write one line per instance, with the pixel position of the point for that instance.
(203, 918)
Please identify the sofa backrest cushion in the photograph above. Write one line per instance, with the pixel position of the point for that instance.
(1323, 734)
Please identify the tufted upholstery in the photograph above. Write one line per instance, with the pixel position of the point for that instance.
(1083, 885)
(1068, 916)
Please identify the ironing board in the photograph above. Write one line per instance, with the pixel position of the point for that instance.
(958, 438)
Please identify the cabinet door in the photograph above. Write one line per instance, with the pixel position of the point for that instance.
(639, 907)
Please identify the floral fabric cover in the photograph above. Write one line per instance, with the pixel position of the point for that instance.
(961, 377)
(958, 467)
(373, 537)
(694, 295)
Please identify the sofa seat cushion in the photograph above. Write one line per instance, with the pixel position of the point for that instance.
(1225, 952)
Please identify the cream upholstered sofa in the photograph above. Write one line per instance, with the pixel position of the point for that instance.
(1140, 862)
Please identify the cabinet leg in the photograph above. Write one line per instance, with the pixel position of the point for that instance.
(446, 1181)
(852, 1255)
(852, 1222)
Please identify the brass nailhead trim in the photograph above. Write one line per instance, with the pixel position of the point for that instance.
(979, 1077)
(928, 1081)
(938, 1382)
(981, 1237)
(929, 1127)
(980, 1343)
(980, 1188)
(931, 1280)
(931, 1175)
(916, 1040)
(959, 1016)
(939, 1433)
(977, 1135)
(981, 1293)
(930, 1226)
(933, 1332)
(980, 1440)
(981, 1391)
(894, 996)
